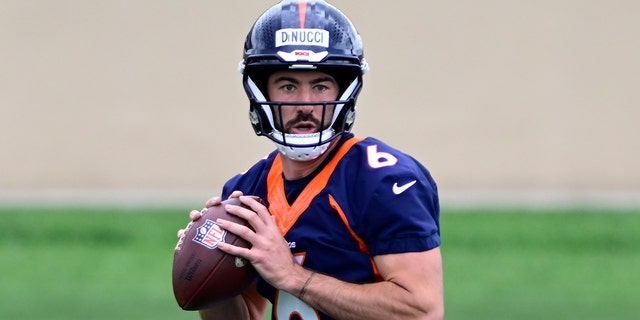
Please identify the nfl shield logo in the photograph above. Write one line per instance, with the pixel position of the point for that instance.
(210, 234)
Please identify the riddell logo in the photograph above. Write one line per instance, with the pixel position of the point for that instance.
(210, 234)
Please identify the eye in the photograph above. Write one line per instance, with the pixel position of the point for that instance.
(321, 88)
(288, 87)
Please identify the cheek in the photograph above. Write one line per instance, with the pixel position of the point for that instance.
(282, 114)
(328, 112)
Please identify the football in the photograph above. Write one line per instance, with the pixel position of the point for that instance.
(203, 275)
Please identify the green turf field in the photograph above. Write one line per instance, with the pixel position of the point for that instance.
(504, 264)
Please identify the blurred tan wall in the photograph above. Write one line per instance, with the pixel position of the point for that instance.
(490, 95)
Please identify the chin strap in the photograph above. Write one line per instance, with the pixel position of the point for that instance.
(302, 153)
(306, 153)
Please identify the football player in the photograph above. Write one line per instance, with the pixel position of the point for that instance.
(350, 226)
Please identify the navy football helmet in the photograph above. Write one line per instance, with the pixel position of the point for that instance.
(302, 35)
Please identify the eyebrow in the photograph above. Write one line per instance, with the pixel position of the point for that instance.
(293, 80)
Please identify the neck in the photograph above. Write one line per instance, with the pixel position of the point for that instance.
(293, 169)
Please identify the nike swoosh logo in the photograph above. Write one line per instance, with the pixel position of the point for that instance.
(400, 189)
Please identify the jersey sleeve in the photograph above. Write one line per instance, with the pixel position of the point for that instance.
(397, 205)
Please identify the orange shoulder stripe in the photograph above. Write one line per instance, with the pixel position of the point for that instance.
(286, 215)
(343, 217)
(361, 244)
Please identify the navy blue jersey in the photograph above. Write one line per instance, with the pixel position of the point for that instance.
(367, 199)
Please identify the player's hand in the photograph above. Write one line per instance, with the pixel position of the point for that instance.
(270, 253)
(214, 201)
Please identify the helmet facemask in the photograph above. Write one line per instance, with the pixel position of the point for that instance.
(336, 118)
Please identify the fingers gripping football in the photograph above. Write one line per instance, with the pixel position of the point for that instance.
(194, 215)
(251, 215)
(202, 275)
(269, 252)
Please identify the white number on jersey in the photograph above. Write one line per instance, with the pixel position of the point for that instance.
(379, 159)
(289, 305)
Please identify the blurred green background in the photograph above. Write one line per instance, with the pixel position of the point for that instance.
(99, 263)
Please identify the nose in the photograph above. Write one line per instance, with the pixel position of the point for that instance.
(305, 95)
(306, 108)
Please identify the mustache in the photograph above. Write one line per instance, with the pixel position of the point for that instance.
(302, 117)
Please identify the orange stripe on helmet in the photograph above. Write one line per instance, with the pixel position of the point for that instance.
(302, 12)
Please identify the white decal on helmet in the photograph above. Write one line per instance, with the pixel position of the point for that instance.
(310, 37)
